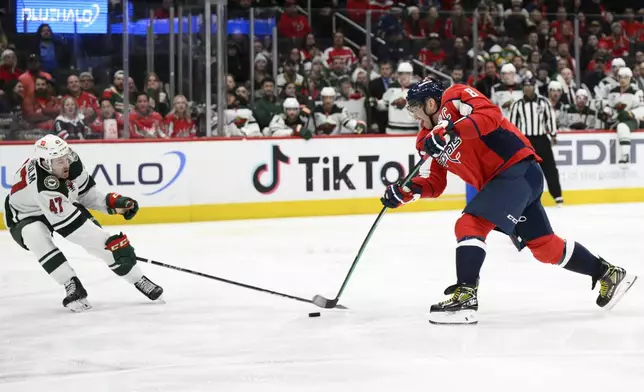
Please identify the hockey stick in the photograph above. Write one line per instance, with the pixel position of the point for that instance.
(326, 303)
(244, 285)
(332, 303)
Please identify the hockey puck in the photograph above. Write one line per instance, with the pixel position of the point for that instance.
(314, 314)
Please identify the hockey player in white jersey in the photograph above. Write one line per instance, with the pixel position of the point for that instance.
(288, 123)
(507, 92)
(52, 192)
(239, 119)
(330, 119)
(581, 114)
(622, 111)
(609, 82)
(394, 101)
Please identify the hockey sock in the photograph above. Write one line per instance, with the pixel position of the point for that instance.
(56, 265)
(133, 275)
(470, 254)
(578, 259)
(625, 147)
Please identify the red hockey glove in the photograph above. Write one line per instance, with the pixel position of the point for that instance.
(396, 195)
(438, 138)
(117, 204)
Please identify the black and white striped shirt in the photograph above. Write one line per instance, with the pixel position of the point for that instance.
(534, 117)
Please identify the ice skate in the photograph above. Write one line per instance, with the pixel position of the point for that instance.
(76, 296)
(624, 161)
(613, 285)
(461, 308)
(559, 201)
(149, 289)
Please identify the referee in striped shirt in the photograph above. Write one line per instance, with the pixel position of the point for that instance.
(536, 118)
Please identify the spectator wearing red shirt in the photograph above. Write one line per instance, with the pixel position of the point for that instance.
(617, 42)
(458, 25)
(164, 12)
(28, 79)
(86, 102)
(556, 27)
(634, 29)
(144, 122)
(108, 123)
(339, 50)
(432, 54)
(41, 109)
(357, 10)
(291, 23)
(434, 22)
(485, 22)
(178, 122)
(414, 27)
(8, 70)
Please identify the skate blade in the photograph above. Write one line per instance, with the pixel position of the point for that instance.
(160, 300)
(626, 283)
(463, 317)
(79, 306)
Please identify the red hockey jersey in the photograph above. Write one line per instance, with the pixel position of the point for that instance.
(485, 143)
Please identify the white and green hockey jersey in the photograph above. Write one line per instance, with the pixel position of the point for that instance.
(399, 121)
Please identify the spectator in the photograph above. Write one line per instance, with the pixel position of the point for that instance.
(164, 11)
(639, 56)
(522, 70)
(544, 34)
(260, 49)
(596, 73)
(434, 22)
(377, 88)
(516, 20)
(486, 28)
(8, 70)
(543, 79)
(267, 106)
(41, 109)
(28, 78)
(70, 124)
(296, 56)
(503, 52)
(392, 21)
(54, 55)
(534, 62)
(481, 52)
(158, 98)
(588, 51)
(237, 62)
(115, 93)
(595, 28)
(457, 25)
(532, 45)
(12, 105)
(638, 75)
(357, 10)
(368, 66)
(311, 90)
(569, 87)
(458, 75)
(432, 55)
(86, 102)
(458, 57)
(557, 26)
(347, 90)
(339, 50)
(550, 54)
(87, 84)
(108, 123)
(414, 27)
(290, 76)
(563, 53)
(231, 83)
(593, 8)
(310, 50)
(291, 23)
(491, 78)
(634, 29)
(617, 42)
(179, 123)
(395, 49)
(243, 95)
(335, 73)
(261, 73)
(144, 122)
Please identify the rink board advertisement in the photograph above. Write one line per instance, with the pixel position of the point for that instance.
(235, 179)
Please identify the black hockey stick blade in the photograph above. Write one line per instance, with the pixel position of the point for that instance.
(325, 303)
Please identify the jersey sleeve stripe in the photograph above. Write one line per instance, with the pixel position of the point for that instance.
(73, 225)
(89, 184)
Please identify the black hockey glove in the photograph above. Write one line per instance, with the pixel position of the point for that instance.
(117, 204)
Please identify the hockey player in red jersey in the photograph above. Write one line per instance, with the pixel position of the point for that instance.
(464, 133)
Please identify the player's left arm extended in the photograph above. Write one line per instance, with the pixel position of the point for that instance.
(481, 115)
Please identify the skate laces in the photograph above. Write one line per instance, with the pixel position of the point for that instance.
(70, 287)
(455, 297)
(146, 285)
(607, 281)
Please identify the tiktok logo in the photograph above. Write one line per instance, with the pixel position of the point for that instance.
(278, 156)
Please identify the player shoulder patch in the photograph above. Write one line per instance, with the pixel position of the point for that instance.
(51, 183)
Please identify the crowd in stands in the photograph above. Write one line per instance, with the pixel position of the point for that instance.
(336, 84)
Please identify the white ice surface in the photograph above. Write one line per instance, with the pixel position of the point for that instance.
(539, 328)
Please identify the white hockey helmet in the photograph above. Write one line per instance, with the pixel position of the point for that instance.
(508, 68)
(291, 103)
(554, 85)
(582, 93)
(618, 63)
(51, 147)
(405, 67)
(625, 72)
(328, 92)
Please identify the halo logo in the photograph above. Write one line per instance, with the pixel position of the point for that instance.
(71, 16)
(278, 156)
